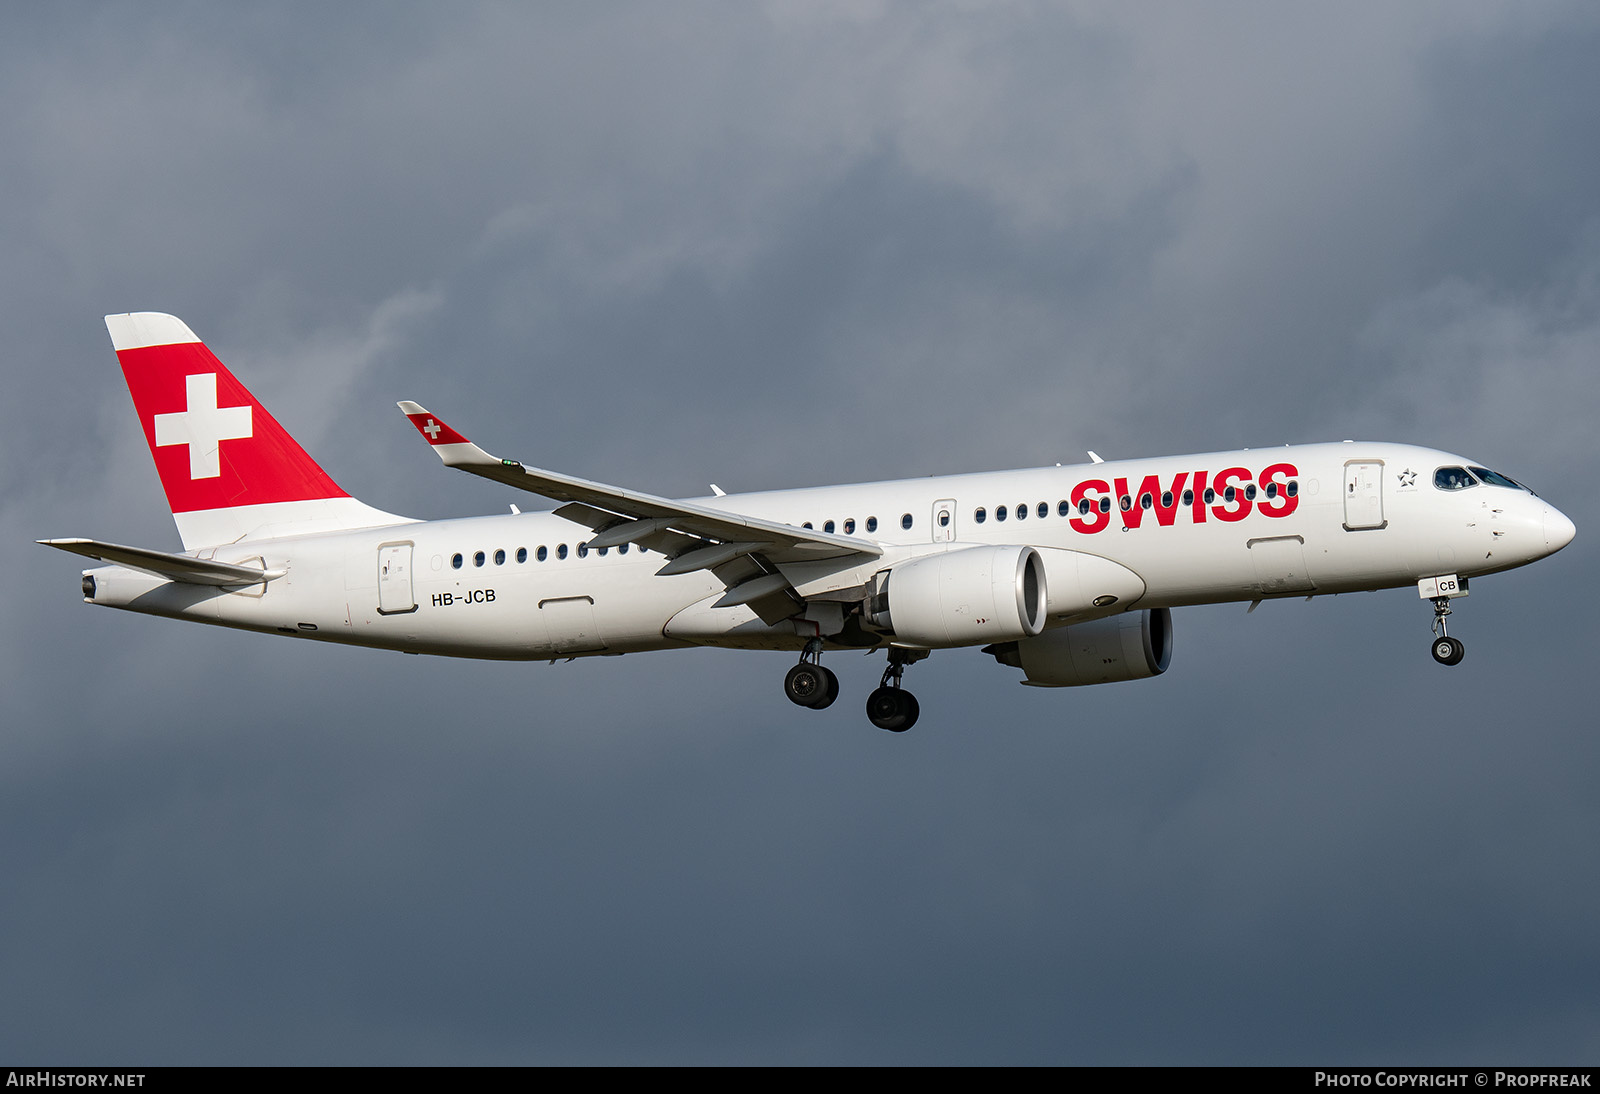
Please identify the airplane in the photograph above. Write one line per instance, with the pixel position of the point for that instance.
(1067, 573)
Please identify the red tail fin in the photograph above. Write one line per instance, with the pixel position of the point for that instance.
(228, 467)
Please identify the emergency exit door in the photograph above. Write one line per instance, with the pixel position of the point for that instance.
(394, 580)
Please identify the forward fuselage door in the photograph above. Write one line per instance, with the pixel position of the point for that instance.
(944, 521)
(1363, 495)
(394, 580)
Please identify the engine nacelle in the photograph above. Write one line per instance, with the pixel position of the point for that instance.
(962, 597)
(1130, 646)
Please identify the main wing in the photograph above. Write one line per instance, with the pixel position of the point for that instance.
(742, 551)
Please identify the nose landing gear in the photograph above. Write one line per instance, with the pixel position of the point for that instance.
(1442, 590)
(1446, 650)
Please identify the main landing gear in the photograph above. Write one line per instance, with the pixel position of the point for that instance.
(889, 707)
(808, 684)
(1446, 650)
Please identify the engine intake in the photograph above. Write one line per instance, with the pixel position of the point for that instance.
(962, 597)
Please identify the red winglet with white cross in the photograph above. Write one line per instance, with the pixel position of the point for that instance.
(431, 427)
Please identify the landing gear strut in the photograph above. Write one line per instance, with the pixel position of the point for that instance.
(889, 707)
(1446, 650)
(808, 684)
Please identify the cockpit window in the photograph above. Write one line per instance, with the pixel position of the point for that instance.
(1494, 478)
(1453, 478)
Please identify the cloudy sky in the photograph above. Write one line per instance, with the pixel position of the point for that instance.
(770, 245)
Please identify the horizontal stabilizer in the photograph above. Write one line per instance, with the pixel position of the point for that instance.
(184, 568)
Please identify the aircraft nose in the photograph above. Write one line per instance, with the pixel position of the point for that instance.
(1558, 530)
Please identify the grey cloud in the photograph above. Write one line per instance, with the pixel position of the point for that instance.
(771, 246)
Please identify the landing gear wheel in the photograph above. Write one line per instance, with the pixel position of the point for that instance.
(830, 693)
(1448, 651)
(892, 709)
(805, 685)
(811, 685)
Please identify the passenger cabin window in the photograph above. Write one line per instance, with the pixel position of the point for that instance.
(500, 557)
(1022, 512)
(850, 527)
(1044, 509)
(522, 554)
(542, 553)
(905, 521)
(999, 512)
(979, 515)
(477, 558)
(827, 526)
(455, 561)
(944, 520)
(872, 524)
(1064, 508)
(1453, 478)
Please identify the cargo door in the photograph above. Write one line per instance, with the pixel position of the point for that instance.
(571, 625)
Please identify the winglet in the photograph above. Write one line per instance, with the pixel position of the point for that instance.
(434, 431)
(451, 447)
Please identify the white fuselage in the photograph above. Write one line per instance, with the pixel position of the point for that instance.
(1338, 518)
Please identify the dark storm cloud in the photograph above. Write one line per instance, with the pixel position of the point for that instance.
(666, 245)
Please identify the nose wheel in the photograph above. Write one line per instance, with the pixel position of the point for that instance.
(1446, 650)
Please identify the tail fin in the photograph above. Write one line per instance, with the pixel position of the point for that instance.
(229, 469)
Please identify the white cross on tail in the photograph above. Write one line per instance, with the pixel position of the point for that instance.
(203, 426)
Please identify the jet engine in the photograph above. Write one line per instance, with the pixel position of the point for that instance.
(961, 597)
(1130, 646)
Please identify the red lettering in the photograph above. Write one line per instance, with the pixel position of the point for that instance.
(1198, 507)
(1133, 516)
(1285, 503)
(1094, 520)
(1166, 514)
(1240, 506)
